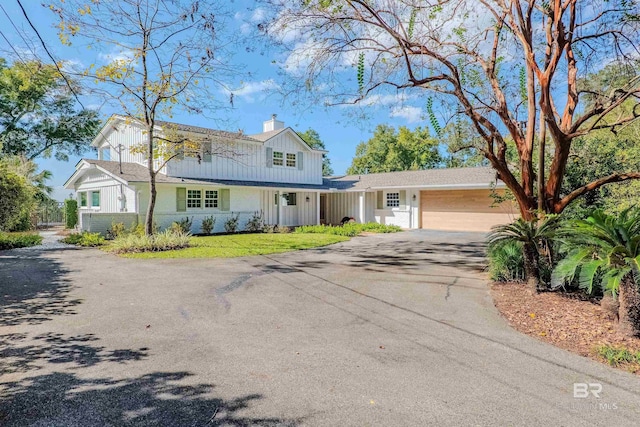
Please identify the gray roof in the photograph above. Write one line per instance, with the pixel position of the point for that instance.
(134, 172)
(451, 177)
(208, 131)
(480, 177)
(266, 135)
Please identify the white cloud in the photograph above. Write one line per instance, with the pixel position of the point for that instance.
(252, 91)
(249, 24)
(409, 113)
(117, 54)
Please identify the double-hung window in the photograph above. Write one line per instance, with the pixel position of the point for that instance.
(278, 158)
(194, 198)
(83, 199)
(393, 200)
(291, 160)
(211, 198)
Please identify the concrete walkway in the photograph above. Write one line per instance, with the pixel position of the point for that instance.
(394, 329)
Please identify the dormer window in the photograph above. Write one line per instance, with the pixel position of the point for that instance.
(278, 158)
(291, 160)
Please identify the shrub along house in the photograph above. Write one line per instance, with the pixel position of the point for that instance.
(275, 174)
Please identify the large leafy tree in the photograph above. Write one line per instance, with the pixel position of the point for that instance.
(39, 116)
(312, 138)
(511, 68)
(390, 151)
(161, 56)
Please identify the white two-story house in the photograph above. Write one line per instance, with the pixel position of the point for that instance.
(273, 174)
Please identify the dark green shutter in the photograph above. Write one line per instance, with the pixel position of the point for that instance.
(380, 200)
(181, 199)
(225, 200)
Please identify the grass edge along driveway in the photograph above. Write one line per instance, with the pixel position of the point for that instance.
(237, 245)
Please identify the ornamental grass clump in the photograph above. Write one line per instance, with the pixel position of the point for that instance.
(165, 241)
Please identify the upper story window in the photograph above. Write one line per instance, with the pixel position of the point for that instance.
(194, 198)
(211, 199)
(95, 199)
(291, 160)
(278, 158)
(393, 200)
(83, 199)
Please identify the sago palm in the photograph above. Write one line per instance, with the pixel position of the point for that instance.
(533, 235)
(604, 251)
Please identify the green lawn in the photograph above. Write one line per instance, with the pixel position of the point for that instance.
(236, 245)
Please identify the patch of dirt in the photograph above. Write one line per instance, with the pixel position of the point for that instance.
(567, 320)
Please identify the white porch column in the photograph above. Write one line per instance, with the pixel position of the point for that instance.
(279, 221)
(318, 208)
(361, 198)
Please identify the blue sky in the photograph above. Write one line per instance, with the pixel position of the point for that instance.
(255, 99)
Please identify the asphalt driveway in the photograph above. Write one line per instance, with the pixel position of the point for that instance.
(389, 330)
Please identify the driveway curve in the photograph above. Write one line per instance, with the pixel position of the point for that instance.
(395, 329)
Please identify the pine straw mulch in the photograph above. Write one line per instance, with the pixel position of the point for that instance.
(567, 320)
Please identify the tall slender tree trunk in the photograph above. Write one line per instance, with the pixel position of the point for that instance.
(629, 308)
(148, 227)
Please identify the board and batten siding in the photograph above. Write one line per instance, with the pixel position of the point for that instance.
(248, 161)
(303, 213)
(340, 205)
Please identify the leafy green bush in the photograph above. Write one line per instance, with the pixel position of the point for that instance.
(19, 240)
(182, 226)
(255, 223)
(349, 229)
(85, 239)
(231, 225)
(506, 262)
(164, 241)
(117, 229)
(70, 213)
(208, 223)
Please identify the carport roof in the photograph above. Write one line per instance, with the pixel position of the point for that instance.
(463, 178)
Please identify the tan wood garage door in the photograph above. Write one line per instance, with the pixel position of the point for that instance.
(462, 210)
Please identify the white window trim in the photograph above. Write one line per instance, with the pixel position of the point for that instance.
(386, 200)
(203, 199)
(273, 159)
(215, 199)
(284, 160)
(193, 198)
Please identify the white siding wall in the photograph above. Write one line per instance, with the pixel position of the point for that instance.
(96, 222)
(405, 218)
(128, 136)
(243, 201)
(249, 163)
(303, 213)
(340, 205)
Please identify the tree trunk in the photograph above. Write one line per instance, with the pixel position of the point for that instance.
(148, 226)
(629, 308)
(531, 267)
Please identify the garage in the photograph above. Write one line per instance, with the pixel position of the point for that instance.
(462, 210)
